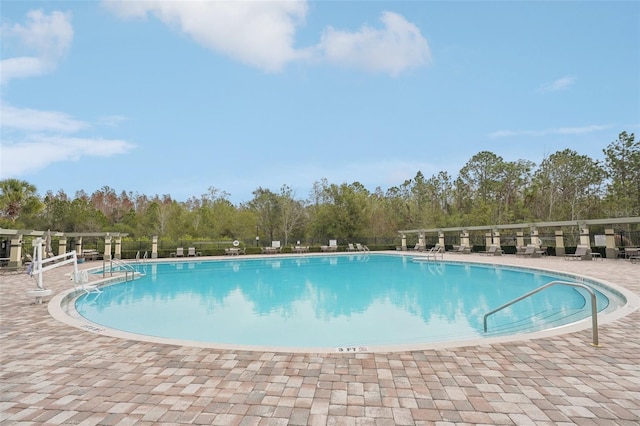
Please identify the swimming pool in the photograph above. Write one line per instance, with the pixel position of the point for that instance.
(344, 302)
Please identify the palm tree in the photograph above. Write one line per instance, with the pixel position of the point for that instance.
(17, 197)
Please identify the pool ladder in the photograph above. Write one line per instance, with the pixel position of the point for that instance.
(144, 257)
(128, 269)
(594, 309)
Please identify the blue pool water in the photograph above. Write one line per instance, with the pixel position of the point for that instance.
(331, 301)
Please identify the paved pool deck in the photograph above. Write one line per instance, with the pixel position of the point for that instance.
(52, 373)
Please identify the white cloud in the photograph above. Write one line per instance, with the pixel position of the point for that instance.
(581, 130)
(40, 137)
(23, 67)
(556, 131)
(262, 34)
(40, 151)
(111, 120)
(560, 84)
(46, 37)
(393, 49)
(33, 120)
(258, 33)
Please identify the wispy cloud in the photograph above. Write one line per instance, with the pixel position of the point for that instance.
(37, 121)
(33, 139)
(262, 34)
(556, 131)
(41, 151)
(46, 37)
(558, 85)
(111, 120)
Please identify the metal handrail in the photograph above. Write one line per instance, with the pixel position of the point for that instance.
(594, 309)
(127, 268)
(144, 257)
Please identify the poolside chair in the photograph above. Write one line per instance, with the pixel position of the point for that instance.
(333, 246)
(581, 253)
(493, 251)
(192, 252)
(461, 249)
(361, 247)
(351, 247)
(179, 252)
(631, 253)
(418, 247)
(530, 251)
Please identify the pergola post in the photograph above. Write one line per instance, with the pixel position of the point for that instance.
(520, 239)
(154, 247)
(584, 236)
(496, 238)
(118, 248)
(79, 246)
(107, 248)
(62, 245)
(464, 238)
(15, 251)
(610, 237)
(488, 240)
(560, 251)
(441, 239)
(535, 240)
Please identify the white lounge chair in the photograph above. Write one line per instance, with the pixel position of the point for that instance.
(581, 253)
(493, 251)
(361, 247)
(461, 249)
(531, 251)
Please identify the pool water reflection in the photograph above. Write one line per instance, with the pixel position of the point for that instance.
(331, 301)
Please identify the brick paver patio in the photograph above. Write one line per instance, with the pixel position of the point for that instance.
(52, 373)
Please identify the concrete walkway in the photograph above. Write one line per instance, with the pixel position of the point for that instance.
(52, 373)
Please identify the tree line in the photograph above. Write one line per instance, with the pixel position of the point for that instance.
(488, 190)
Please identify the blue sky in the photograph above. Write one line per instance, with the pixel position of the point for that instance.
(174, 97)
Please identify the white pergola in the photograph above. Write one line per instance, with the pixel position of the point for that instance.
(492, 232)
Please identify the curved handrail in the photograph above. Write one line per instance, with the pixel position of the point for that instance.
(594, 309)
(125, 266)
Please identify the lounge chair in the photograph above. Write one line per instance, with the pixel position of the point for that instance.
(461, 249)
(418, 247)
(493, 251)
(333, 246)
(234, 251)
(361, 247)
(179, 252)
(351, 247)
(531, 251)
(582, 253)
(528, 251)
(90, 254)
(631, 253)
(192, 251)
